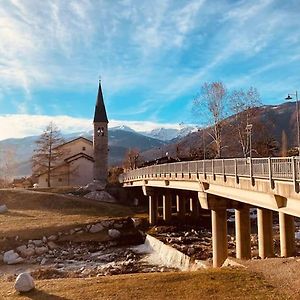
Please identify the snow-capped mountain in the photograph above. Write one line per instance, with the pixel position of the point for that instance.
(168, 134)
(121, 138)
(122, 127)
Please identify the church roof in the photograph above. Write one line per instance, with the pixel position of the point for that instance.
(74, 140)
(100, 111)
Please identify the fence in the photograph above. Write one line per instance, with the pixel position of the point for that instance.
(275, 168)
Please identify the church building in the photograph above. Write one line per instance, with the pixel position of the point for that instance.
(84, 161)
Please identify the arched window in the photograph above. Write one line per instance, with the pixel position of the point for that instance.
(100, 131)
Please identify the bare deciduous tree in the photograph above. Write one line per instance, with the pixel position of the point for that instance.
(211, 105)
(47, 153)
(243, 104)
(284, 144)
(7, 166)
(131, 159)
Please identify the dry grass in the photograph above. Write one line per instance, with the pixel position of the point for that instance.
(281, 272)
(210, 284)
(34, 213)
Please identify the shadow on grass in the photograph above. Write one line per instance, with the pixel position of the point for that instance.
(42, 295)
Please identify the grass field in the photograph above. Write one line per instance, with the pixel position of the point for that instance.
(208, 284)
(34, 213)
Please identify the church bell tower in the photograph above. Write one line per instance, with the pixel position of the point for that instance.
(100, 142)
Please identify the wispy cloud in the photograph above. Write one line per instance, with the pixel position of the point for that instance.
(150, 54)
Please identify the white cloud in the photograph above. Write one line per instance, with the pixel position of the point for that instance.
(167, 48)
(21, 125)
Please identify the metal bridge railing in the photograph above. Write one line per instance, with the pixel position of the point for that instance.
(275, 168)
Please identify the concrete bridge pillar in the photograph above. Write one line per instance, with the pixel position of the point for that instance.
(287, 235)
(167, 206)
(194, 208)
(219, 236)
(265, 232)
(242, 232)
(181, 208)
(153, 209)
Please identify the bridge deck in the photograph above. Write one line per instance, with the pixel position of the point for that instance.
(271, 183)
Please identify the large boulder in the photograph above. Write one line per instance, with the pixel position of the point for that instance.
(3, 209)
(41, 250)
(37, 243)
(52, 245)
(101, 196)
(11, 257)
(96, 185)
(114, 233)
(24, 283)
(25, 252)
(96, 228)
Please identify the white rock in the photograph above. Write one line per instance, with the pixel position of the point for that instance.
(114, 233)
(24, 283)
(52, 245)
(96, 228)
(44, 260)
(37, 242)
(11, 257)
(52, 237)
(230, 262)
(118, 225)
(41, 250)
(21, 248)
(101, 196)
(107, 223)
(136, 221)
(8, 254)
(18, 260)
(3, 209)
(26, 252)
(44, 240)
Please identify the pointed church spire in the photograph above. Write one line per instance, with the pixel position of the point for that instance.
(100, 111)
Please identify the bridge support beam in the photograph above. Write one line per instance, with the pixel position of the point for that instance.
(242, 233)
(153, 209)
(265, 232)
(181, 208)
(287, 235)
(219, 236)
(167, 206)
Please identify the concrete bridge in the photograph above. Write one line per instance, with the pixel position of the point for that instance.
(269, 184)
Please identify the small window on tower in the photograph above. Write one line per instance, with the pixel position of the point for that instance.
(60, 179)
(100, 131)
(83, 148)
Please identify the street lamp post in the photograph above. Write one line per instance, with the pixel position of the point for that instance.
(249, 135)
(297, 115)
(203, 141)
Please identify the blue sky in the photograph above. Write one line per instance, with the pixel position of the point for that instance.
(152, 55)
